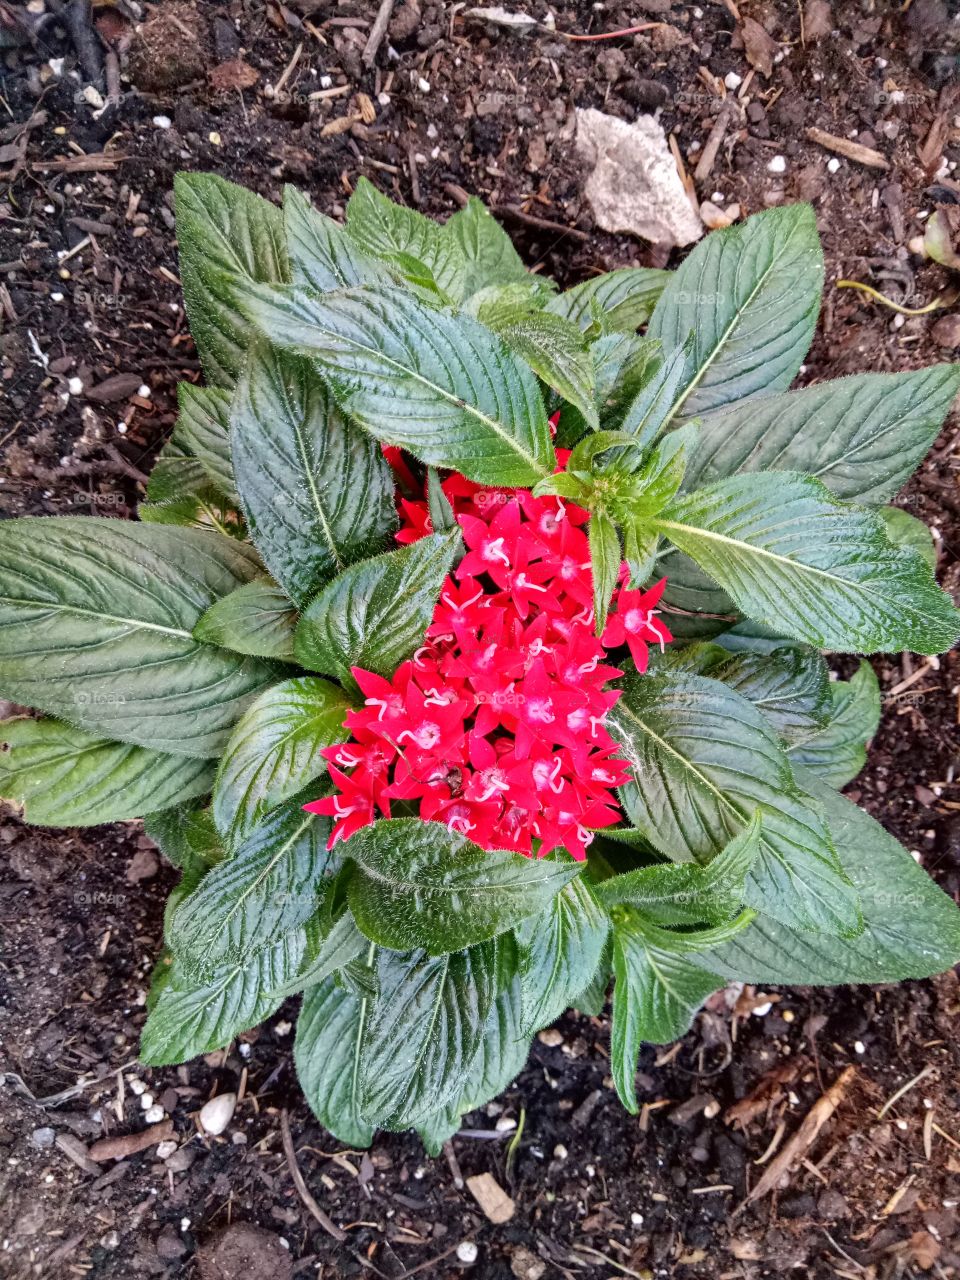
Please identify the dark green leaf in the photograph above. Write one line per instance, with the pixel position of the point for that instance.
(790, 686)
(553, 348)
(838, 752)
(96, 622)
(560, 952)
(905, 530)
(441, 386)
(326, 1053)
(328, 953)
(420, 885)
(266, 888)
(862, 436)
(750, 295)
(377, 612)
(65, 777)
(389, 231)
(442, 518)
(704, 760)
(317, 491)
(194, 1016)
(912, 929)
(625, 299)
(274, 751)
(795, 558)
(322, 255)
(486, 251)
(605, 561)
(203, 428)
(257, 619)
(426, 1028)
(226, 234)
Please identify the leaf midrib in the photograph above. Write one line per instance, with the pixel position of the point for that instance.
(93, 613)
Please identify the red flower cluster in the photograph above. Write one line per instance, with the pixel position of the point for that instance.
(496, 727)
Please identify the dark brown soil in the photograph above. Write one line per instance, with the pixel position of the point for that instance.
(88, 290)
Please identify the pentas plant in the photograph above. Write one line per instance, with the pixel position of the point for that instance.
(468, 657)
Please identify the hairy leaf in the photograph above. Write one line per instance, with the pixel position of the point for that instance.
(560, 951)
(553, 348)
(322, 255)
(326, 1053)
(790, 686)
(257, 619)
(203, 428)
(838, 751)
(486, 251)
(624, 299)
(392, 232)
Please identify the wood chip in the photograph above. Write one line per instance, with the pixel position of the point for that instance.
(129, 1144)
(76, 1151)
(491, 1197)
(851, 150)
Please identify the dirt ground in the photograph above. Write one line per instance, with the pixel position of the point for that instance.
(93, 343)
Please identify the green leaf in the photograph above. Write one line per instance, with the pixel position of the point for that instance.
(193, 1016)
(553, 348)
(560, 952)
(376, 613)
(181, 492)
(96, 622)
(176, 472)
(326, 1053)
(912, 929)
(203, 428)
(658, 989)
(704, 759)
(622, 365)
(605, 561)
(333, 951)
(504, 1045)
(485, 249)
(419, 884)
(317, 491)
(905, 530)
(257, 619)
(653, 406)
(838, 752)
(863, 436)
(65, 777)
(426, 1028)
(684, 893)
(625, 298)
(795, 558)
(790, 686)
(226, 234)
(274, 751)
(750, 295)
(439, 385)
(389, 231)
(322, 255)
(266, 888)
(654, 480)
(442, 518)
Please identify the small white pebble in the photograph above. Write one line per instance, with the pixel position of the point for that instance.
(383, 99)
(184, 1224)
(136, 1086)
(214, 137)
(732, 80)
(698, 13)
(122, 428)
(467, 1252)
(423, 85)
(899, 321)
(762, 1010)
(162, 122)
(216, 1114)
(560, 1151)
(636, 1219)
(283, 1028)
(75, 386)
(146, 1101)
(419, 1173)
(154, 1115)
(902, 1125)
(591, 1171)
(778, 164)
(326, 82)
(505, 1125)
(56, 297)
(859, 1047)
(143, 391)
(880, 63)
(166, 1149)
(833, 164)
(244, 1049)
(718, 197)
(56, 65)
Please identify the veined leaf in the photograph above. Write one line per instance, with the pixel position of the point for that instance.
(485, 249)
(750, 295)
(265, 889)
(704, 760)
(225, 234)
(317, 491)
(622, 364)
(658, 989)
(439, 385)
(605, 561)
(257, 619)
(96, 622)
(426, 1027)
(625, 299)
(838, 751)
(376, 613)
(560, 952)
(203, 428)
(685, 893)
(911, 928)
(391, 231)
(326, 1053)
(194, 1016)
(420, 885)
(553, 348)
(790, 686)
(274, 751)
(863, 436)
(905, 530)
(322, 255)
(65, 777)
(327, 952)
(795, 558)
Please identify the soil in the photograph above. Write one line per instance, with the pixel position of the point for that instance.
(94, 341)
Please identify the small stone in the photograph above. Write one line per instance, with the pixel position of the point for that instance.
(732, 80)
(946, 332)
(170, 1247)
(43, 1138)
(552, 1038)
(467, 1252)
(636, 1219)
(75, 386)
(162, 122)
(144, 865)
(778, 164)
(216, 1114)
(833, 164)
(146, 1101)
(181, 1160)
(136, 1086)
(526, 1265)
(713, 218)
(166, 1149)
(560, 1152)
(153, 1115)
